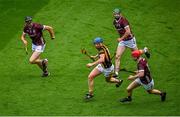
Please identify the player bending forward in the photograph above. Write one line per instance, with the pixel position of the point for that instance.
(35, 32)
(142, 77)
(104, 65)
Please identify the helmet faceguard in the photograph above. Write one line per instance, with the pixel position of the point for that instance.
(28, 19)
(117, 13)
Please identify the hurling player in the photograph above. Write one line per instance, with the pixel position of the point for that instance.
(126, 40)
(103, 65)
(35, 32)
(142, 78)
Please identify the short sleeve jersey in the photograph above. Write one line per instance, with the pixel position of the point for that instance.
(143, 66)
(35, 32)
(120, 26)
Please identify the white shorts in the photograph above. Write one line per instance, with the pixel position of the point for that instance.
(39, 48)
(106, 71)
(149, 86)
(129, 43)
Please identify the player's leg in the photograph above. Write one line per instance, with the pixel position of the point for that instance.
(132, 86)
(133, 46)
(39, 63)
(154, 91)
(43, 64)
(34, 59)
(130, 89)
(94, 73)
(45, 70)
(112, 79)
(109, 75)
(158, 92)
(150, 89)
(119, 52)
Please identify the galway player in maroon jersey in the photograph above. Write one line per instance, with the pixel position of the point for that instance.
(35, 32)
(142, 77)
(126, 40)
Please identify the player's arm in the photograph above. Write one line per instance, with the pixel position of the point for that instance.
(23, 38)
(50, 30)
(100, 60)
(139, 74)
(126, 34)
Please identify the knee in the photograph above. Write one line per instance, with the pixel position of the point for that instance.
(31, 61)
(90, 77)
(149, 91)
(118, 57)
(107, 79)
(128, 89)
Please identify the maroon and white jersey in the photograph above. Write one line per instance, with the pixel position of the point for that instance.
(143, 66)
(120, 26)
(35, 33)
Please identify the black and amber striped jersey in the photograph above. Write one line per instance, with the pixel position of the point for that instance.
(107, 62)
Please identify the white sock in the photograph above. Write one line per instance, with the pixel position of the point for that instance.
(145, 49)
(117, 73)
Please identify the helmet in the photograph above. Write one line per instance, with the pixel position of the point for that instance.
(28, 18)
(98, 40)
(117, 10)
(136, 54)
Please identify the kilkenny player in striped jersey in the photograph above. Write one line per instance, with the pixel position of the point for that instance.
(103, 65)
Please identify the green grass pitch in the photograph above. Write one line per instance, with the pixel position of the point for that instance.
(155, 24)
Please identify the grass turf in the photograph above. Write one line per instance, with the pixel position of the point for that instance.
(23, 92)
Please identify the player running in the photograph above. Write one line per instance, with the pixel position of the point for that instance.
(103, 65)
(142, 77)
(35, 32)
(126, 40)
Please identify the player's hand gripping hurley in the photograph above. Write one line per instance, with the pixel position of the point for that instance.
(83, 51)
